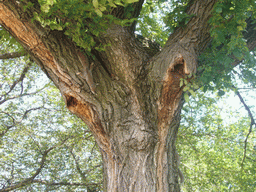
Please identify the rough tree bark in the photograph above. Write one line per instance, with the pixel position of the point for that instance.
(130, 99)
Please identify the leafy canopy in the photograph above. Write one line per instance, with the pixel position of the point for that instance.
(84, 21)
(228, 27)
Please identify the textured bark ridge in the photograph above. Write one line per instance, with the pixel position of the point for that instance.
(170, 103)
(130, 99)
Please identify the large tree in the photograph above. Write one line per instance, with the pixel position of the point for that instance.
(128, 90)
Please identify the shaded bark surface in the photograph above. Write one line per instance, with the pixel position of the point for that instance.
(129, 98)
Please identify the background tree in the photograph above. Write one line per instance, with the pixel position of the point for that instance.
(43, 147)
(126, 90)
(211, 142)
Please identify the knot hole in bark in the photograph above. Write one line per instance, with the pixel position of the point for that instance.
(71, 101)
(171, 86)
(78, 107)
(85, 111)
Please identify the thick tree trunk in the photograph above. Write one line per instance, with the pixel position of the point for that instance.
(130, 100)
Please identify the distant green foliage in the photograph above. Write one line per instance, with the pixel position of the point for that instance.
(159, 19)
(150, 22)
(177, 17)
(211, 146)
(33, 119)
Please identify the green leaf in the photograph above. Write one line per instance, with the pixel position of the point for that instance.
(221, 36)
(186, 97)
(119, 3)
(131, 1)
(98, 12)
(218, 9)
(95, 3)
(192, 92)
(195, 86)
(102, 9)
(240, 28)
(181, 82)
(112, 4)
(186, 88)
(221, 93)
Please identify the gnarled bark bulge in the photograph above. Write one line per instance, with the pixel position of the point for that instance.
(130, 99)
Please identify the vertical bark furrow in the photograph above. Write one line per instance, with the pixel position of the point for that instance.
(127, 67)
(172, 154)
(167, 122)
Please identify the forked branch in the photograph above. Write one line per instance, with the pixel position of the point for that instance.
(247, 108)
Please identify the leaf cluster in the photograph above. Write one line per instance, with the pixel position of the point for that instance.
(83, 21)
(228, 26)
(190, 85)
(150, 23)
(177, 17)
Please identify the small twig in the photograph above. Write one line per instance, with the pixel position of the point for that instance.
(81, 173)
(21, 78)
(64, 183)
(30, 179)
(252, 121)
(12, 55)
(22, 95)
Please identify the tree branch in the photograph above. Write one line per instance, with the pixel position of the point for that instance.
(22, 76)
(31, 179)
(251, 125)
(64, 183)
(13, 55)
(21, 95)
(78, 167)
(14, 121)
(81, 173)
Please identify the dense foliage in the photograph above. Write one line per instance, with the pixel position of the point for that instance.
(211, 142)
